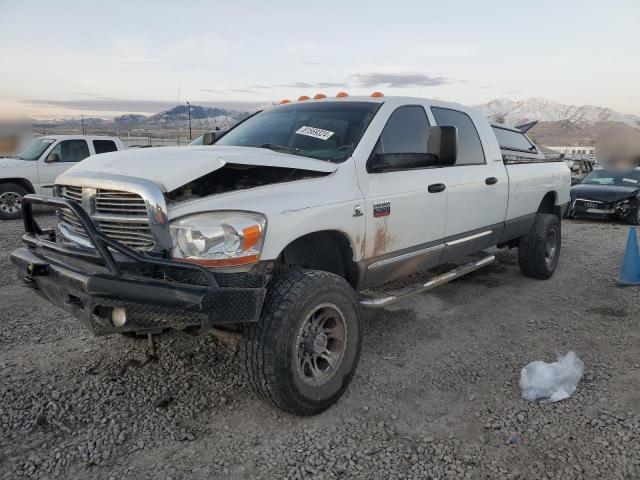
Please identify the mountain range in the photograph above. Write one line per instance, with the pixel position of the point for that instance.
(514, 112)
(559, 124)
(176, 118)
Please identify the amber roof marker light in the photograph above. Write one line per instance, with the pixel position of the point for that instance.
(342, 94)
(319, 96)
(282, 102)
(302, 98)
(377, 94)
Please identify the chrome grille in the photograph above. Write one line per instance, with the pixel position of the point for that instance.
(118, 214)
(118, 203)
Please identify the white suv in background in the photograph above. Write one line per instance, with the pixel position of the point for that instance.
(36, 166)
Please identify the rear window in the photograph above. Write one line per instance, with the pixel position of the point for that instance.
(470, 151)
(104, 146)
(510, 140)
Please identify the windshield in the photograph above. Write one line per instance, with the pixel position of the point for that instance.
(629, 178)
(34, 149)
(323, 130)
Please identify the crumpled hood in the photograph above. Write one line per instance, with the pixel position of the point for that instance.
(603, 193)
(14, 162)
(172, 167)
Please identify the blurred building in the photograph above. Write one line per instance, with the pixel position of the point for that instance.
(576, 152)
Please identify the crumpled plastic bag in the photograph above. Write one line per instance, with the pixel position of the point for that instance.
(551, 382)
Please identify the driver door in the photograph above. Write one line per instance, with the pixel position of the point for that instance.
(405, 209)
(59, 158)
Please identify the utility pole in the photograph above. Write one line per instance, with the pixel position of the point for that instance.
(189, 110)
(82, 120)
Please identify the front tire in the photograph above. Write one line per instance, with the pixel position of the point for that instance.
(539, 250)
(303, 352)
(11, 195)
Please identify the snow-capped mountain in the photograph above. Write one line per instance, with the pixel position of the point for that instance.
(518, 112)
(201, 117)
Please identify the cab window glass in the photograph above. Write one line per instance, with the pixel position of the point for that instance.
(104, 146)
(70, 151)
(470, 150)
(406, 131)
(510, 140)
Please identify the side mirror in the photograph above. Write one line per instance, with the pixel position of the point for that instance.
(52, 157)
(442, 151)
(442, 145)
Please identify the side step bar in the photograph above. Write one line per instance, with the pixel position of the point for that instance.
(457, 272)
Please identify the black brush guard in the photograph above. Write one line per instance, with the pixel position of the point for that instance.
(156, 293)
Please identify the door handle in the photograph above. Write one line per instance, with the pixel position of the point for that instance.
(436, 187)
(491, 180)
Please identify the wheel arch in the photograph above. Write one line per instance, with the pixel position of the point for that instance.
(548, 204)
(23, 182)
(328, 250)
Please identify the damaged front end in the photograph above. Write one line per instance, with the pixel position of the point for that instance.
(234, 176)
(112, 288)
(625, 210)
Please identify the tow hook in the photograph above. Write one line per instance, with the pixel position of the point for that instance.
(151, 356)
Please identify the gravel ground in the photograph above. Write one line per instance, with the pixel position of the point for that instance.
(436, 394)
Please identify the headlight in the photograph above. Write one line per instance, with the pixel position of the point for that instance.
(219, 239)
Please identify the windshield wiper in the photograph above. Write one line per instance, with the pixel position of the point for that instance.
(279, 148)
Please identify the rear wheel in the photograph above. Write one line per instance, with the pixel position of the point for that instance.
(11, 195)
(303, 352)
(539, 250)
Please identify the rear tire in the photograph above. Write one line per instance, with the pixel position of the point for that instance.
(303, 352)
(11, 195)
(539, 250)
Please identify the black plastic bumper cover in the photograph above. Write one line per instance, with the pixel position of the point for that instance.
(90, 283)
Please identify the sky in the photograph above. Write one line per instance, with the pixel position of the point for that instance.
(67, 58)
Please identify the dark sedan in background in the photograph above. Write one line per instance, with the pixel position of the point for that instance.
(607, 194)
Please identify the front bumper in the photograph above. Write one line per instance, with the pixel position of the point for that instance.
(596, 209)
(156, 293)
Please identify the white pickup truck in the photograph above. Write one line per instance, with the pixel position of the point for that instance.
(36, 166)
(276, 230)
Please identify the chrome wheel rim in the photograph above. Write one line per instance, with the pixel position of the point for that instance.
(10, 202)
(321, 344)
(550, 247)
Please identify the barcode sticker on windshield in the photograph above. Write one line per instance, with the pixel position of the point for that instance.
(630, 180)
(315, 132)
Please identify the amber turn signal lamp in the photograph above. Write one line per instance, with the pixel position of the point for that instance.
(251, 236)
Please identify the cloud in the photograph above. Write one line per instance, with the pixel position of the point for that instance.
(261, 86)
(211, 90)
(399, 80)
(314, 85)
(242, 90)
(297, 85)
(331, 84)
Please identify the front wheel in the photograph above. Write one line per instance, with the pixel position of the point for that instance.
(11, 196)
(303, 352)
(539, 250)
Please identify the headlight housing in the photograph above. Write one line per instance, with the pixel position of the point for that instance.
(219, 239)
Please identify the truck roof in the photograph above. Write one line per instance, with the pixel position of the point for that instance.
(392, 99)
